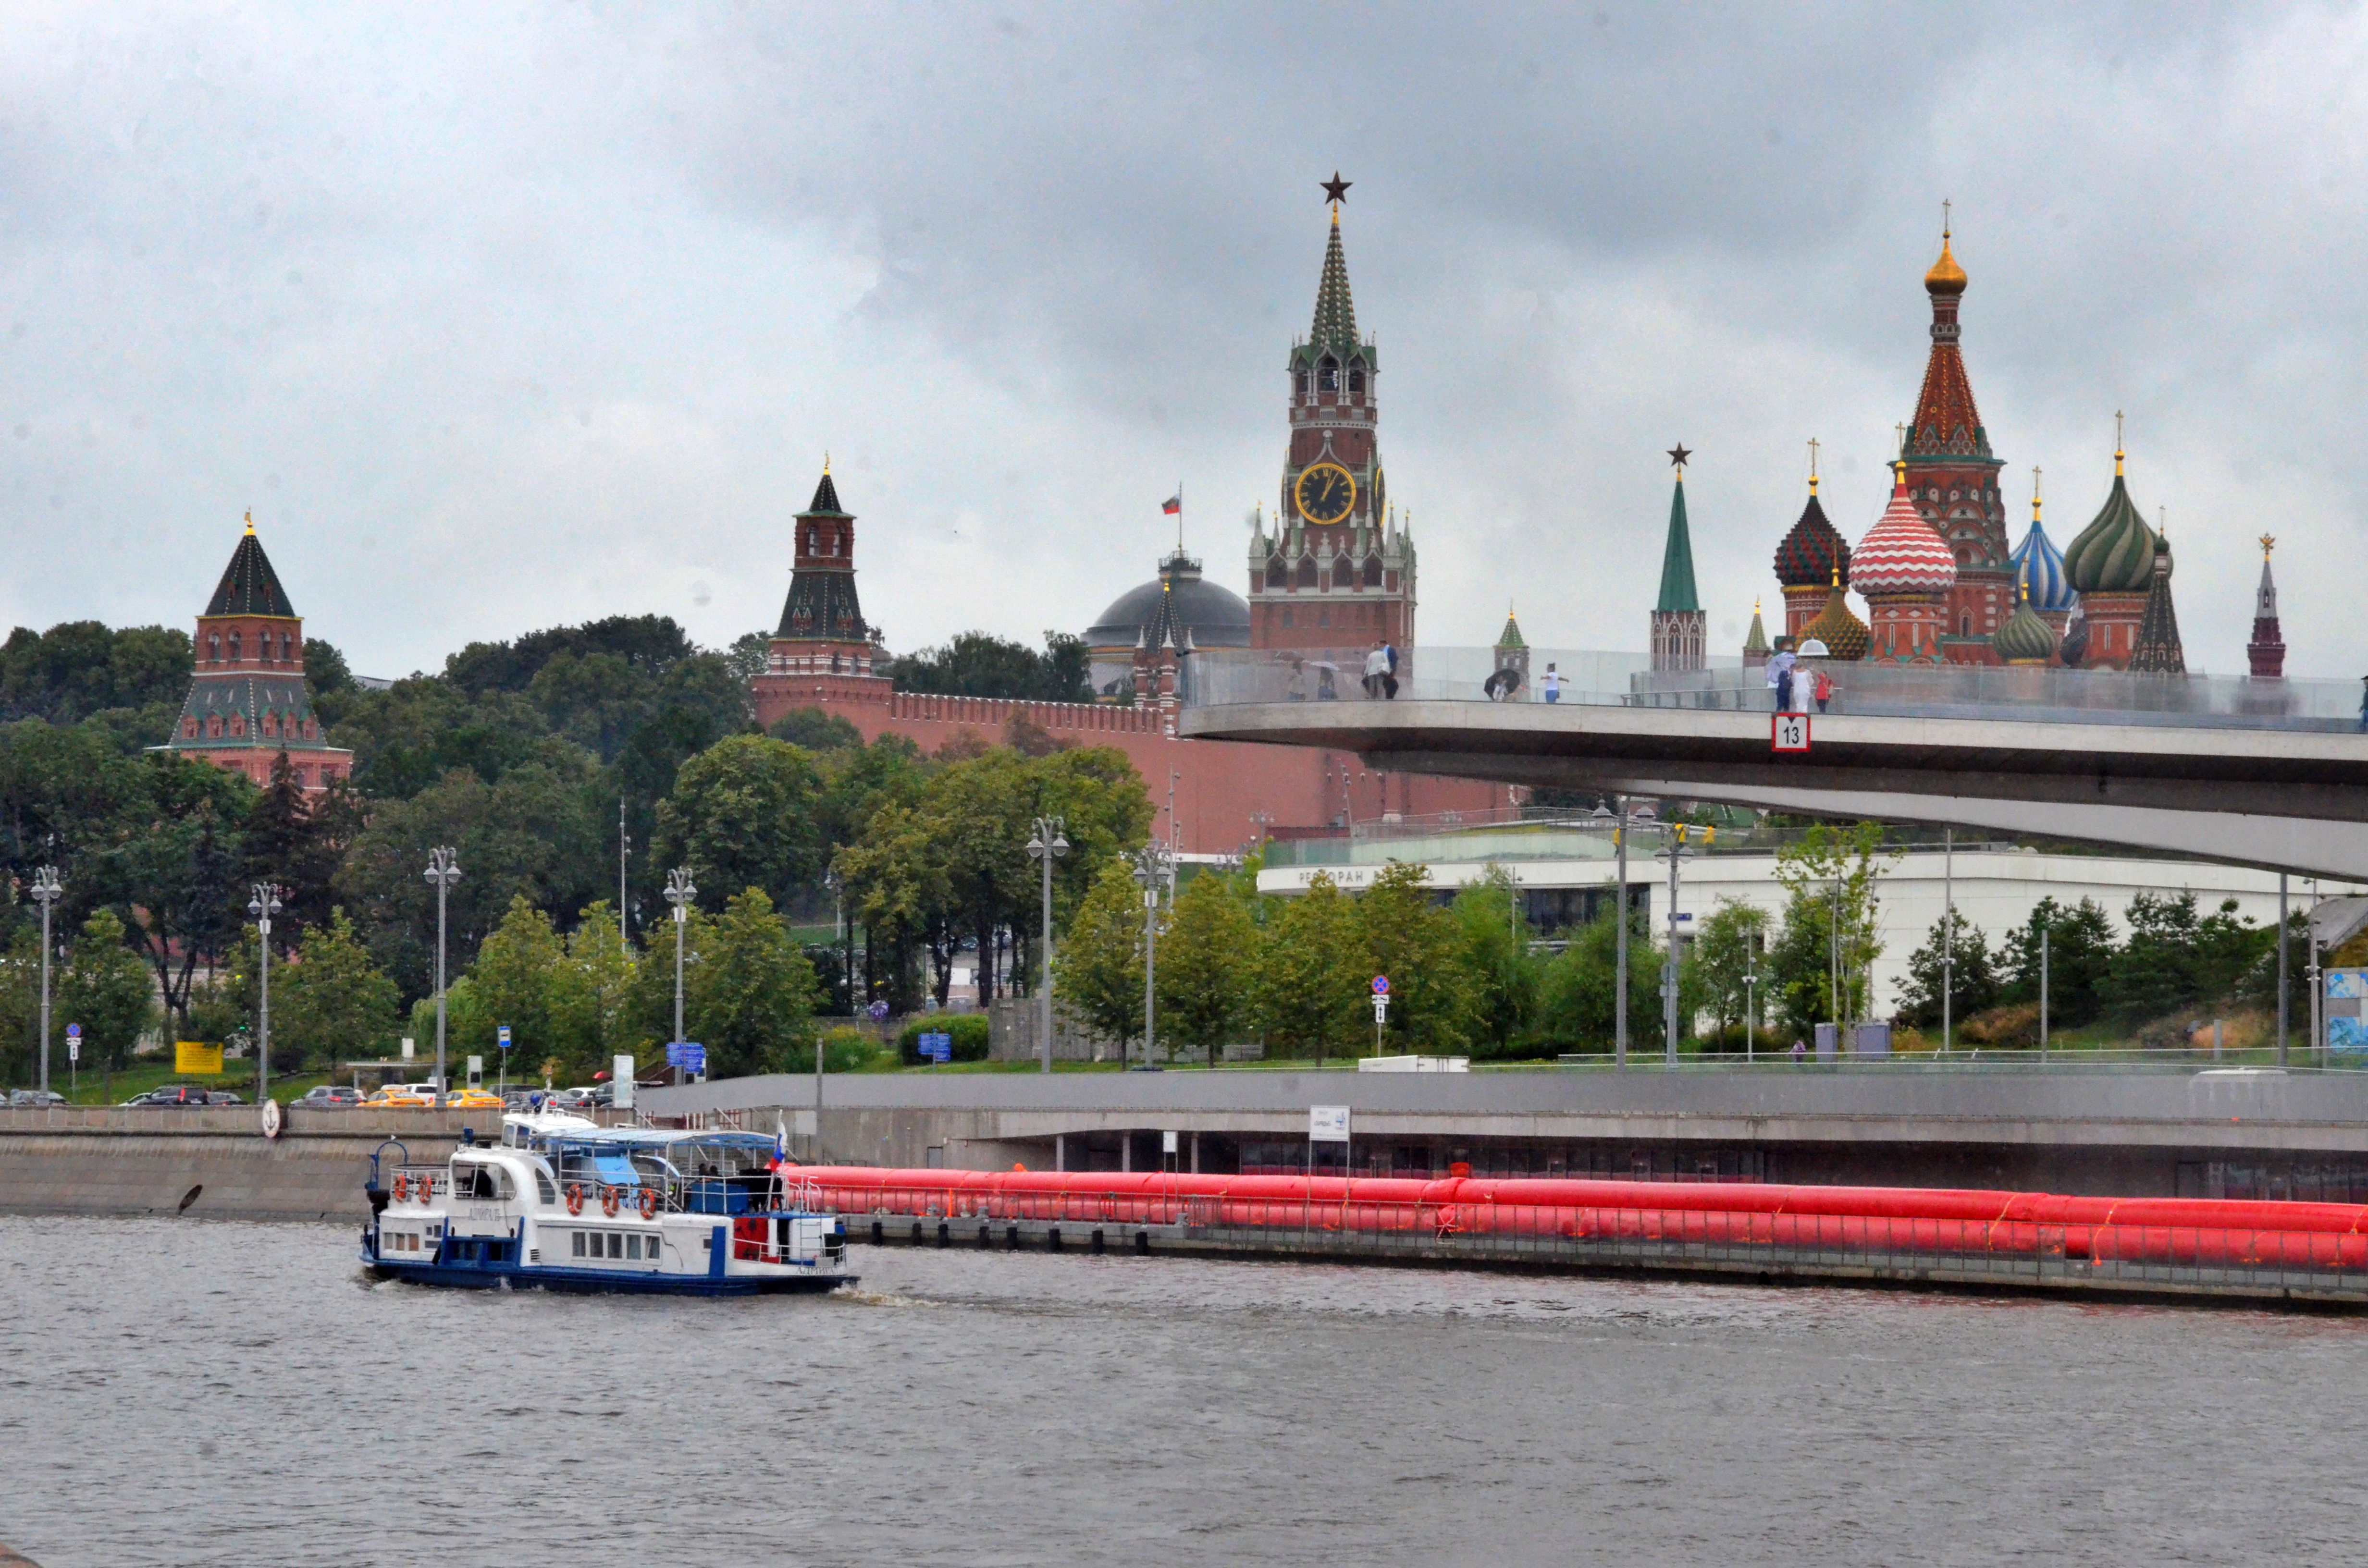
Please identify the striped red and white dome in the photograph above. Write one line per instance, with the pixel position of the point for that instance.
(1902, 555)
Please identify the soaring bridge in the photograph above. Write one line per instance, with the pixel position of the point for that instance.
(2265, 773)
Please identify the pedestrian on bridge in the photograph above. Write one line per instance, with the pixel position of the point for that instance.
(1779, 675)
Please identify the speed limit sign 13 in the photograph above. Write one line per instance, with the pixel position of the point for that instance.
(1790, 731)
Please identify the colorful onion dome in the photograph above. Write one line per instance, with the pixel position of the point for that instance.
(2114, 554)
(1812, 551)
(2039, 571)
(2024, 639)
(1946, 277)
(1901, 554)
(1845, 635)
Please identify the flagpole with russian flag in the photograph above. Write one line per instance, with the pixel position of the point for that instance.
(1174, 507)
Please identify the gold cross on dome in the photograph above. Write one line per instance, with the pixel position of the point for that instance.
(2268, 542)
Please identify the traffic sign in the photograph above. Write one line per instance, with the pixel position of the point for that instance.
(689, 1055)
(1327, 1124)
(1789, 733)
(937, 1047)
(506, 1036)
(1381, 985)
(74, 1042)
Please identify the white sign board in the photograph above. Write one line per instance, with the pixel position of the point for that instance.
(476, 1072)
(1327, 1124)
(623, 1078)
(409, 1048)
(1167, 1142)
(1790, 731)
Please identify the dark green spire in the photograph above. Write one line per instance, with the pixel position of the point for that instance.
(1336, 314)
(1678, 559)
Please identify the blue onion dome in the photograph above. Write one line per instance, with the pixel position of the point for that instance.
(2024, 639)
(2114, 554)
(2039, 570)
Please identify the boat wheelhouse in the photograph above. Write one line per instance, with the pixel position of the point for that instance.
(563, 1203)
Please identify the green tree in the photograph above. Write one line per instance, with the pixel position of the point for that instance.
(335, 1002)
(2080, 952)
(1314, 976)
(976, 665)
(743, 815)
(20, 1005)
(1972, 981)
(1504, 974)
(593, 1014)
(816, 730)
(519, 980)
(749, 999)
(1728, 966)
(1203, 964)
(1097, 967)
(1824, 960)
(1577, 995)
(1421, 949)
(105, 989)
(2155, 971)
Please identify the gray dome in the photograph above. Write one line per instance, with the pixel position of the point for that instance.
(1216, 616)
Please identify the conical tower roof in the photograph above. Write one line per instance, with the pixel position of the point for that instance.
(2024, 639)
(1755, 641)
(1901, 554)
(1678, 558)
(1845, 635)
(825, 498)
(2114, 554)
(1947, 424)
(2158, 648)
(1335, 327)
(1511, 638)
(249, 585)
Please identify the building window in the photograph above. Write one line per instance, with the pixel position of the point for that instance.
(1286, 615)
(1307, 572)
(1323, 618)
(1357, 381)
(213, 648)
(233, 647)
(1373, 571)
(1327, 374)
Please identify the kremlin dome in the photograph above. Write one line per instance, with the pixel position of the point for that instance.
(1216, 616)
(2039, 572)
(1901, 554)
(2114, 554)
(1946, 277)
(2024, 639)
(1814, 550)
(1845, 635)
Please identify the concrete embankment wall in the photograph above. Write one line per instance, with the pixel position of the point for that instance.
(124, 1161)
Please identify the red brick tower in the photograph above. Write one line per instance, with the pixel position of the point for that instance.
(2267, 652)
(1952, 478)
(823, 649)
(1337, 571)
(247, 701)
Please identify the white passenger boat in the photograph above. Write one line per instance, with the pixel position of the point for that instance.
(571, 1206)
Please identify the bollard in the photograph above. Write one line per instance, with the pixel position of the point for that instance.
(986, 1235)
(945, 1233)
(1143, 1243)
(1053, 1239)
(1098, 1244)
(916, 1232)
(1013, 1237)
(879, 1233)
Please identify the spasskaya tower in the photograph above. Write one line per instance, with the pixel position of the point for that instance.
(1337, 570)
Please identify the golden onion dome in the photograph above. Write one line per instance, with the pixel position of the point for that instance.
(1946, 277)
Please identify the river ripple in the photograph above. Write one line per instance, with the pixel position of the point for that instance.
(216, 1392)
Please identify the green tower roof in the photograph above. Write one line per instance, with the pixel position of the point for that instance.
(1678, 558)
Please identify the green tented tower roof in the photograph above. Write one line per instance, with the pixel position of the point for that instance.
(1678, 559)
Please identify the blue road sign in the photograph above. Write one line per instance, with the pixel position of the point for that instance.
(687, 1055)
(937, 1047)
(506, 1036)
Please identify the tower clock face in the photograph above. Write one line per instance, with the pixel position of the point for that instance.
(1325, 492)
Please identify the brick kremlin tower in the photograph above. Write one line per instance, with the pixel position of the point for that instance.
(2266, 653)
(247, 704)
(1906, 575)
(1952, 480)
(822, 648)
(1681, 630)
(1337, 571)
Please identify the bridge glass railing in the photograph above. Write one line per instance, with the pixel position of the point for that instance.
(1225, 677)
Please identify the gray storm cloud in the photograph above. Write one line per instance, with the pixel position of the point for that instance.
(499, 321)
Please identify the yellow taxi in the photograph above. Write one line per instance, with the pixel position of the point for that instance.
(473, 1099)
(402, 1097)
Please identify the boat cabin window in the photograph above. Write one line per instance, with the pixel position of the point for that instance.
(615, 1244)
(543, 1184)
(578, 1249)
(482, 1183)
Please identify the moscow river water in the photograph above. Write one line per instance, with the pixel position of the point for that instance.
(217, 1393)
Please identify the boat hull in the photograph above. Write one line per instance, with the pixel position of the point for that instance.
(476, 1277)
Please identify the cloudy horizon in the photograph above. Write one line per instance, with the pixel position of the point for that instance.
(502, 321)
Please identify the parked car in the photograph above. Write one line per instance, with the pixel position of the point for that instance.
(573, 1099)
(403, 1097)
(331, 1096)
(222, 1096)
(35, 1097)
(473, 1099)
(173, 1095)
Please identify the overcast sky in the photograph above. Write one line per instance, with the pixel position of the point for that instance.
(498, 321)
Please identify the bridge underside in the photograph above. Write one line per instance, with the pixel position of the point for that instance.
(2282, 800)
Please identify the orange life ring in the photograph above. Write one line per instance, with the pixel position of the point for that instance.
(402, 1187)
(575, 1197)
(609, 1201)
(427, 1188)
(649, 1203)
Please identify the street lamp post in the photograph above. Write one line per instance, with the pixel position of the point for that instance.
(679, 894)
(1619, 962)
(262, 907)
(1150, 866)
(443, 869)
(46, 891)
(1046, 845)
